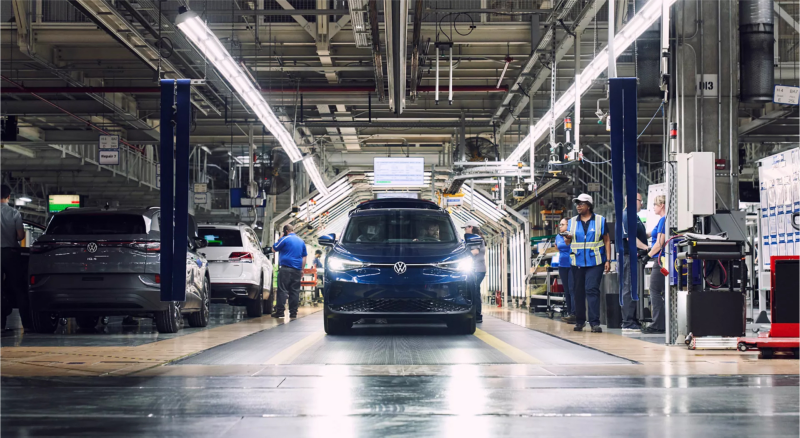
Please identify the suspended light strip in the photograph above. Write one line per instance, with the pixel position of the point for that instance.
(316, 178)
(201, 36)
(635, 27)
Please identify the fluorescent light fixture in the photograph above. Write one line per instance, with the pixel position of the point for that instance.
(25, 199)
(437, 75)
(19, 202)
(503, 73)
(635, 27)
(450, 94)
(337, 191)
(313, 173)
(208, 43)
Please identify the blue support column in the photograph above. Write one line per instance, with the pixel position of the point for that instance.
(174, 187)
(167, 153)
(622, 97)
(183, 120)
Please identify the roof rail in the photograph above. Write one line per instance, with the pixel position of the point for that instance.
(397, 203)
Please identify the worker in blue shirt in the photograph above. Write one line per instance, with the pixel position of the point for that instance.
(563, 239)
(292, 259)
(590, 244)
(657, 285)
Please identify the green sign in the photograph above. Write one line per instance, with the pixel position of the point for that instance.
(56, 203)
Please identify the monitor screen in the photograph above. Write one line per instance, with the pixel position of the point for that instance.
(399, 172)
(57, 203)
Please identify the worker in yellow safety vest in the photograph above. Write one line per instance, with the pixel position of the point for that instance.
(590, 245)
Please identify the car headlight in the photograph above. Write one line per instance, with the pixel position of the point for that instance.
(461, 265)
(339, 264)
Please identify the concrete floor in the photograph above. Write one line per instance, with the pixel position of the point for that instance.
(519, 375)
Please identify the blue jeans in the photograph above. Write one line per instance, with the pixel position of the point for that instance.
(567, 280)
(587, 290)
(479, 276)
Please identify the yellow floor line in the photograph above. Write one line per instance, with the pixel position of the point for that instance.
(514, 353)
(291, 353)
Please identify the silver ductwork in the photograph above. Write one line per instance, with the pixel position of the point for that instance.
(756, 34)
(395, 14)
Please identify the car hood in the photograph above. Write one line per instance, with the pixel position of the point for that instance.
(412, 253)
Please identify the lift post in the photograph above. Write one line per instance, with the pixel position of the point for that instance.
(622, 98)
(175, 125)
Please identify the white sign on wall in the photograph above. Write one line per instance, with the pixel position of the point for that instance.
(109, 142)
(786, 95)
(108, 157)
(200, 198)
(200, 188)
(707, 85)
(593, 187)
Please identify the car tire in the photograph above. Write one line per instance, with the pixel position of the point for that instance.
(169, 321)
(766, 353)
(45, 322)
(200, 318)
(465, 325)
(266, 305)
(334, 325)
(87, 322)
(254, 306)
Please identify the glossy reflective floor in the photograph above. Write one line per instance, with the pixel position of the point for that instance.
(519, 375)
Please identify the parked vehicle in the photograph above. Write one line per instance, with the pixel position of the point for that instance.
(399, 258)
(241, 271)
(92, 263)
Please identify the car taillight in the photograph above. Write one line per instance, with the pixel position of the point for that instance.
(33, 279)
(158, 278)
(148, 246)
(245, 257)
(42, 247)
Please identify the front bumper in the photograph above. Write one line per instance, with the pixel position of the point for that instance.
(106, 294)
(381, 293)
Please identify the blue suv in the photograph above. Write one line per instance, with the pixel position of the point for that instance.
(399, 258)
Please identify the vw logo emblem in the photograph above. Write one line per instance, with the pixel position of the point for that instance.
(91, 247)
(400, 268)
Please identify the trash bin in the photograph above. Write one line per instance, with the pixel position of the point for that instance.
(609, 289)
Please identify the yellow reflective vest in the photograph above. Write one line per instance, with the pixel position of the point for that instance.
(587, 247)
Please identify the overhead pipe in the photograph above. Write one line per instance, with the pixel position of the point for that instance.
(415, 43)
(310, 89)
(395, 23)
(756, 34)
(377, 60)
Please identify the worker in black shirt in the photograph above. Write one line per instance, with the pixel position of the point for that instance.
(627, 301)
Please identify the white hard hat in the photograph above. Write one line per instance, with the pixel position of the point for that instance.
(471, 223)
(583, 197)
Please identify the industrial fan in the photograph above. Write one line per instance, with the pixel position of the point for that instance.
(275, 179)
(477, 149)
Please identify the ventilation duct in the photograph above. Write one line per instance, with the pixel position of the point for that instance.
(648, 60)
(756, 34)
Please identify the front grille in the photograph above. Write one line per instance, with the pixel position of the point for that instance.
(400, 305)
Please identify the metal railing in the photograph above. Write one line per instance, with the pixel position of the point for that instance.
(133, 165)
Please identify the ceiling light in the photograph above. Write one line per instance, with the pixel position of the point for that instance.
(626, 36)
(25, 199)
(208, 43)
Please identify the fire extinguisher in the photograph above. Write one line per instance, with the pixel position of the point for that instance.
(498, 297)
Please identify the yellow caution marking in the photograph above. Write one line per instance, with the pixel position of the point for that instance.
(291, 353)
(514, 353)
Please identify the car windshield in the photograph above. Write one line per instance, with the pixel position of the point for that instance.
(400, 226)
(96, 224)
(221, 236)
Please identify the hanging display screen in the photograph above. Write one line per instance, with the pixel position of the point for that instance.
(386, 195)
(57, 203)
(399, 172)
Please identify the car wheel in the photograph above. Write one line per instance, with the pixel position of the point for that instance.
(200, 318)
(169, 321)
(87, 322)
(266, 305)
(767, 353)
(254, 306)
(45, 322)
(334, 325)
(465, 325)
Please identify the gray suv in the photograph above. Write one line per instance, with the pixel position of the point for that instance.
(92, 263)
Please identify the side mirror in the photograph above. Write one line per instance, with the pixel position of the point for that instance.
(796, 221)
(268, 250)
(473, 241)
(327, 240)
(201, 243)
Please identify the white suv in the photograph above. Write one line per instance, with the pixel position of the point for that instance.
(241, 274)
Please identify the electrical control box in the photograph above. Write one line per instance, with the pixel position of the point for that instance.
(696, 187)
